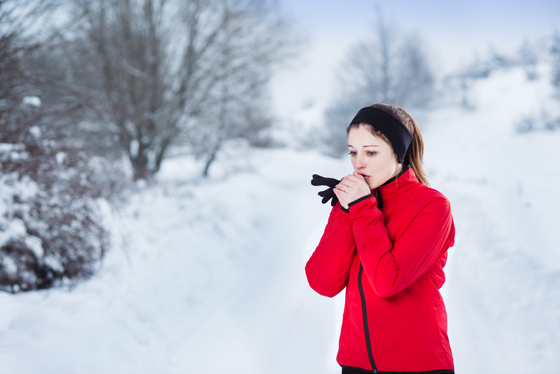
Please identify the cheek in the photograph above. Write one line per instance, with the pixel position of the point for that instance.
(373, 165)
(382, 166)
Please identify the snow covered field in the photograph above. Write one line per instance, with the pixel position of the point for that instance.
(208, 276)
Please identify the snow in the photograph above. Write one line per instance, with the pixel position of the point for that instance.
(60, 157)
(503, 288)
(9, 265)
(14, 228)
(31, 101)
(16, 150)
(10, 229)
(54, 263)
(300, 129)
(35, 244)
(134, 146)
(6, 147)
(207, 276)
(35, 130)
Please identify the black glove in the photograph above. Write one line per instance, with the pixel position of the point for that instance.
(329, 192)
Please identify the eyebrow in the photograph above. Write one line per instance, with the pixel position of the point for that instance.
(364, 146)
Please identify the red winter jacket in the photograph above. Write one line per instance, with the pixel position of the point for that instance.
(391, 263)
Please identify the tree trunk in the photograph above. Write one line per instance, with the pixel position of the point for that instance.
(140, 167)
(209, 161)
(142, 172)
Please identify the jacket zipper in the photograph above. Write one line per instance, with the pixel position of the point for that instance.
(364, 315)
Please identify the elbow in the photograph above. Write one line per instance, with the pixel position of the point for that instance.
(385, 289)
(384, 293)
(321, 285)
(328, 292)
(386, 280)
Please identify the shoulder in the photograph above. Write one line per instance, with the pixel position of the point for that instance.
(430, 197)
(420, 193)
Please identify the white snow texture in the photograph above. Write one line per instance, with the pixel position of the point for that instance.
(208, 276)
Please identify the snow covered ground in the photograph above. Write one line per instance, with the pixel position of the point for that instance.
(208, 276)
(503, 289)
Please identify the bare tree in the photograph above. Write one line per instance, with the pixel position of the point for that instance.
(555, 54)
(555, 71)
(17, 41)
(155, 73)
(236, 107)
(390, 68)
(528, 59)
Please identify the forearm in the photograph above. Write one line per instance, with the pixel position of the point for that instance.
(327, 269)
(391, 267)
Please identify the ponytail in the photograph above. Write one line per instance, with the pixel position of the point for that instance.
(415, 153)
(416, 148)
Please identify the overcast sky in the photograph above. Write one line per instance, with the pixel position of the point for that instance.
(452, 30)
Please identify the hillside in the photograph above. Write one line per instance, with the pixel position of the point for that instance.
(207, 276)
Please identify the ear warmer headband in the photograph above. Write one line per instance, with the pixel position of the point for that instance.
(392, 128)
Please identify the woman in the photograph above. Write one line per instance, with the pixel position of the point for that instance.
(386, 242)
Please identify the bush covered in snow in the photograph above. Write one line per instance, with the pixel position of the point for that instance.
(51, 229)
(51, 192)
(542, 122)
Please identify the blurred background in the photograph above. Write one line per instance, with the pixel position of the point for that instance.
(156, 212)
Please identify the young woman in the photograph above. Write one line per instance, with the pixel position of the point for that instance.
(386, 242)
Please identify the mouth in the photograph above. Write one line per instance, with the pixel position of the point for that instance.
(366, 177)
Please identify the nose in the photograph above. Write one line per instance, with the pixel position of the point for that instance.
(359, 164)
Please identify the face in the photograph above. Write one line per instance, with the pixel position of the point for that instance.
(372, 157)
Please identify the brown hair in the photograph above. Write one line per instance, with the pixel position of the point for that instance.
(415, 151)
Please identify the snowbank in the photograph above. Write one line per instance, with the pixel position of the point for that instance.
(207, 276)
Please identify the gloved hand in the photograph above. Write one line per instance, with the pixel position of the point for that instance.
(329, 192)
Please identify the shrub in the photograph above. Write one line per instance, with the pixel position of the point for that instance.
(51, 227)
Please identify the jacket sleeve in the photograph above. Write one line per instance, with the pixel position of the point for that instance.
(392, 267)
(327, 269)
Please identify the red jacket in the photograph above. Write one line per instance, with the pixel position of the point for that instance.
(391, 263)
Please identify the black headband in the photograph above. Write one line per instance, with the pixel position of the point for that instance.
(392, 128)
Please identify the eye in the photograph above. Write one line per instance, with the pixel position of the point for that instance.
(352, 153)
(371, 153)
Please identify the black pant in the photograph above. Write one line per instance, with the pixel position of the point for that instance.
(346, 370)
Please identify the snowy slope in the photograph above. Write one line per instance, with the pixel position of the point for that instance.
(207, 276)
(503, 289)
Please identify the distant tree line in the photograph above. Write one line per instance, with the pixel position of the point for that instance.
(545, 121)
(395, 67)
(153, 74)
(389, 66)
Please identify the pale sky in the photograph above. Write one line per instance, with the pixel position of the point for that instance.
(452, 30)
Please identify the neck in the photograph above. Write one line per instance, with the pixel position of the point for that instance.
(398, 171)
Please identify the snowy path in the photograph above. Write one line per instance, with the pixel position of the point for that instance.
(503, 274)
(211, 280)
(208, 277)
(276, 324)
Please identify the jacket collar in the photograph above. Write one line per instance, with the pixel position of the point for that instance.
(397, 185)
